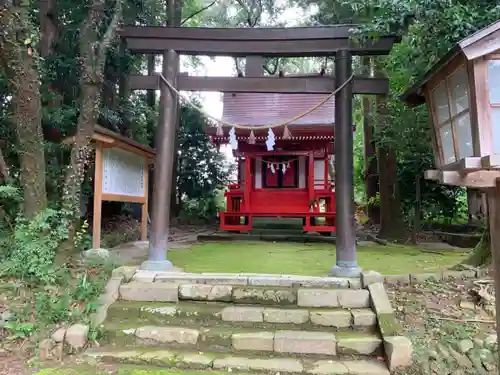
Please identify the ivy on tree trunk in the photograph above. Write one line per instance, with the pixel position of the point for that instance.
(19, 59)
(92, 59)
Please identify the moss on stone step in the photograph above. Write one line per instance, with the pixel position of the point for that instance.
(389, 325)
(267, 363)
(198, 314)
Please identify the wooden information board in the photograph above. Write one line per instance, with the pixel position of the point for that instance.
(121, 175)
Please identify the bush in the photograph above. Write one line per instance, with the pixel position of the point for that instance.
(34, 244)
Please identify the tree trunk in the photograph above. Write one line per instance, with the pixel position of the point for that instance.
(370, 153)
(476, 206)
(48, 26)
(19, 59)
(93, 55)
(391, 222)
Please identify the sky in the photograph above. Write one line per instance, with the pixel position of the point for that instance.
(223, 66)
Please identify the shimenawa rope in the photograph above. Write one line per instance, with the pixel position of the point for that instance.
(248, 127)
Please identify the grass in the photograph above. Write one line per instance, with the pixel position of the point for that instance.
(305, 259)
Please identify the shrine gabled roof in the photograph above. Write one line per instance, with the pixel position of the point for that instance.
(261, 109)
(480, 43)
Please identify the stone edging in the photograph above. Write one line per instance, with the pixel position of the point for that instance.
(111, 293)
(76, 335)
(371, 277)
(398, 349)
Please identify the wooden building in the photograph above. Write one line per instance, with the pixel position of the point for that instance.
(292, 179)
(462, 92)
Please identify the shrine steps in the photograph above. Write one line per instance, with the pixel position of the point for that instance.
(285, 324)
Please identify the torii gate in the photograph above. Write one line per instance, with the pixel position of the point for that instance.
(278, 42)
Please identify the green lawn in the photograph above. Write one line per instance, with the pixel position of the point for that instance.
(305, 259)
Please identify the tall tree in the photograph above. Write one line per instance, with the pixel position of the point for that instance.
(371, 172)
(93, 49)
(19, 60)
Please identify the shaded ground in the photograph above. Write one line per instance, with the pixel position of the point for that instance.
(451, 334)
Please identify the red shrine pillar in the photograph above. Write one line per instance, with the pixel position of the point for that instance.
(248, 183)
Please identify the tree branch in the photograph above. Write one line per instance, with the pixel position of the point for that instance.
(198, 12)
(275, 68)
(111, 31)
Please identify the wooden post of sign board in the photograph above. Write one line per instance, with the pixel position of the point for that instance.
(145, 210)
(494, 219)
(96, 222)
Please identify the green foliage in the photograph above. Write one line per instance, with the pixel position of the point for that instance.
(83, 241)
(201, 169)
(33, 246)
(429, 30)
(18, 331)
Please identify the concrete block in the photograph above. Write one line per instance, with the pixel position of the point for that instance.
(338, 319)
(355, 299)
(379, 299)
(358, 345)
(178, 335)
(264, 295)
(256, 341)
(318, 297)
(76, 336)
(224, 279)
(371, 277)
(202, 292)
(366, 367)
(160, 292)
(354, 283)
(302, 342)
(126, 272)
(269, 365)
(242, 314)
(398, 351)
(179, 278)
(194, 361)
(363, 318)
(323, 367)
(291, 316)
(58, 335)
(144, 276)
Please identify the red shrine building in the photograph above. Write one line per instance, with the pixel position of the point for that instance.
(289, 178)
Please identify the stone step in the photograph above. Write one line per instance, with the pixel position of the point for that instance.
(216, 361)
(251, 279)
(223, 339)
(212, 314)
(254, 295)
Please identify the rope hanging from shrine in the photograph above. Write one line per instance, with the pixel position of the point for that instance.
(277, 165)
(270, 142)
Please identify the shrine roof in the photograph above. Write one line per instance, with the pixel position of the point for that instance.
(478, 44)
(261, 109)
(113, 139)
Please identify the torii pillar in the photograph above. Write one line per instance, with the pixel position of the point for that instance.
(346, 258)
(165, 146)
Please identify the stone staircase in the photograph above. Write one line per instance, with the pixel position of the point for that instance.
(252, 323)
